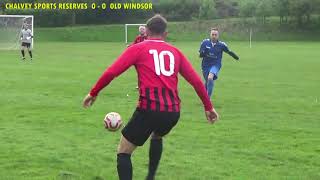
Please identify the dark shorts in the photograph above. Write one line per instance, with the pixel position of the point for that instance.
(143, 123)
(26, 44)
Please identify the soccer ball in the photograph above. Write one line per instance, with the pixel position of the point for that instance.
(112, 121)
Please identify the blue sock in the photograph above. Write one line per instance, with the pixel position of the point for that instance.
(210, 85)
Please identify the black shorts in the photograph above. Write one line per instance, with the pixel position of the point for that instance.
(26, 44)
(143, 123)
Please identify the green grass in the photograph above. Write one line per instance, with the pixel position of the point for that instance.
(269, 104)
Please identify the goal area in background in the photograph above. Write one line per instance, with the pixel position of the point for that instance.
(131, 31)
(10, 30)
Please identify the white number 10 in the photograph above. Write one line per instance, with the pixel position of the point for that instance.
(159, 62)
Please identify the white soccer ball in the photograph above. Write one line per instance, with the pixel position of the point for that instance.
(112, 121)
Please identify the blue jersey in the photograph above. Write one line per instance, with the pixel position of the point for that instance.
(213, 53)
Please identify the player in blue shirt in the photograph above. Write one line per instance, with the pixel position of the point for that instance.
(211, 53)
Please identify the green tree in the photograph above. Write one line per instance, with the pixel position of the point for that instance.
(283, 10)
(226, 8)
(179, 9)
(263, 10)
(301, 10)
(248, 9)
(207, 9)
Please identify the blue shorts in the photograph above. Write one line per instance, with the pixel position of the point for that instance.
(212, 69)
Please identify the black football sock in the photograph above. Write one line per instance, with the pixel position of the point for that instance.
(22, 52)
(155, 152)
(30, 53)
(124, 166)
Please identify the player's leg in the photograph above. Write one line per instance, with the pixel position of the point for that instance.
(155, 153)
(163, 124)
(22, 51)
(210, 84)
(134, 134)
(124, 165)
(212, 76)
(205, 73)
(29, 50)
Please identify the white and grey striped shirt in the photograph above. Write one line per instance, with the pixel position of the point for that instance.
(26, 35)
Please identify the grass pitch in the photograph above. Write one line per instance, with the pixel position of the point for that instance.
(269, 104)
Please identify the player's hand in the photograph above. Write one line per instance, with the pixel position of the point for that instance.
(88, 101)
(212, 116)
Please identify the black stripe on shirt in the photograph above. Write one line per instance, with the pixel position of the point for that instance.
(148, 99)
(156, 96)
(165, 99)
(172, 101)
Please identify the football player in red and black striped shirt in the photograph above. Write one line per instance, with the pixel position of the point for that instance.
(141, 37)
(158, 64)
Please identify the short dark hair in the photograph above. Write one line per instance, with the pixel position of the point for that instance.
(214, 29)
(157, 24)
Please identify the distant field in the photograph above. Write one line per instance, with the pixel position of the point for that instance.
(269, 104)
(231, 29)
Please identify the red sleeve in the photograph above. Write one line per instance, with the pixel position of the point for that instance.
(127, 58)
(136, 40)
(187, 71)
